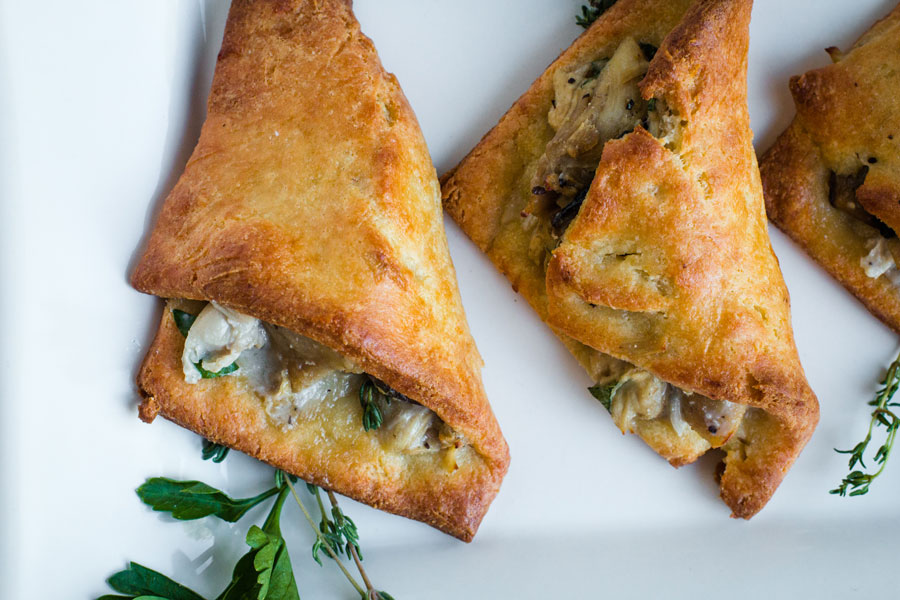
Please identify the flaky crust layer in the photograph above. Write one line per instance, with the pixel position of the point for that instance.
(848, 117)
(311, 202)
(703, 304)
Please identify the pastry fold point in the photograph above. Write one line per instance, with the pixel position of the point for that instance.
(311, 205)
(830, 179)
(662, 280)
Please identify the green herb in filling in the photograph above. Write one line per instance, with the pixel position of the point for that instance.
(605, 393)
(590, 12)
(183, 321)
(213, 374)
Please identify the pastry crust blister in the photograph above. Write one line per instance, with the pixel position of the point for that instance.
(310, 202)
(847, 126)
(667, 264)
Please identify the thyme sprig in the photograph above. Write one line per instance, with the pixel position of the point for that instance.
(329, 541)
(591, 11)
(858, 481)
(371, 393)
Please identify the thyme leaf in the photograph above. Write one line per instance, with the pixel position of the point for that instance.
(857, 482)
(371, 393)
(214, 451)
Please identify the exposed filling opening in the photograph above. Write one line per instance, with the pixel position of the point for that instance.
(594, 103)
(881, 241)
(293, 376)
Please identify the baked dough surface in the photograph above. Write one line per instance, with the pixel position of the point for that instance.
(848, 119)
(668, 264)
(310, 202)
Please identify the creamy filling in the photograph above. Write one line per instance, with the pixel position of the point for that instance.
(594, 103)
(292, 375)
(638, 395)
(879, 261)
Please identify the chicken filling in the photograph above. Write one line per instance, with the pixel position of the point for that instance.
(594, 103)
(292, 375)
(636, 395)
(881, 241)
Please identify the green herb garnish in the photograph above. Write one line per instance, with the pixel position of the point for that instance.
(338, 532)
(214, 451)
(189, 500)
(183, 320)
(264, 572)
(137, 581)
(651, 104)
(858, 482)
(592, 11)
(605, 392)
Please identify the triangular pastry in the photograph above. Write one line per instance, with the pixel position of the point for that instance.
(832, 179)
(304, 258)
(620, 195)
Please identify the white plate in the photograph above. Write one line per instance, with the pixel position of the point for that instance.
(100, 104)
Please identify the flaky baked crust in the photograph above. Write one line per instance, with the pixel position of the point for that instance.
(848, 118)
(702, 303)
(310, 202)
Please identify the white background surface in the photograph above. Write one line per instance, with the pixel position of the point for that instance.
(100, 105)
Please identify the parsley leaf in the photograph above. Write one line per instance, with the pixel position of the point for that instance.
(265, 572)
(140, 582)
(187, 500)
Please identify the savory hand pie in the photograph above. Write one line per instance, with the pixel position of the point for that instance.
(314, 320)
(832, 179)
(620, 195)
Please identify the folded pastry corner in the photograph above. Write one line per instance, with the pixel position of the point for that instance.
(832, 179)
(313, 319)
(629, 212)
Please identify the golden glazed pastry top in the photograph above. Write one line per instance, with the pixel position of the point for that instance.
(668, 264)
(845, 141)
(310, 202)
(851, 111)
